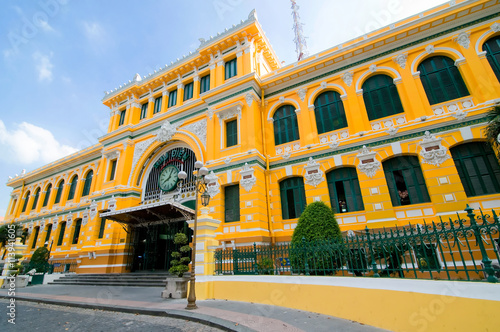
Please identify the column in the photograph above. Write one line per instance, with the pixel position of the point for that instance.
(196, 87)
(212, 76)
(164, 101)
(219, 73)
(239, 64)
(151, 105)
(180, 93)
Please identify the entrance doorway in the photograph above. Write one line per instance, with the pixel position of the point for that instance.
(153, 245)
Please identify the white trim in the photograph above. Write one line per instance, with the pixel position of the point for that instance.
(471, 290)
(460, 59)
(396, 80)
(481, 40)
(282, 102)
(329, 86)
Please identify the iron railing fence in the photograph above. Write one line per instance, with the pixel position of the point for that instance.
(463, 249)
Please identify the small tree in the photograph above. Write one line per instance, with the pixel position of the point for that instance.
(40, 260)
(492, 130)
(317, 241)
(181, 260)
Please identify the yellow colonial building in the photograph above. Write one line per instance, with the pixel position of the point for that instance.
(386, 128)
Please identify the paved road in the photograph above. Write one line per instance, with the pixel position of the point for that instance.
(44, 317)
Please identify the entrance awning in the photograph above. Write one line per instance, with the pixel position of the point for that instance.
(150, 214)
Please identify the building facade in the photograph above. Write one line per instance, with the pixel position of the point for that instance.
(387, 128)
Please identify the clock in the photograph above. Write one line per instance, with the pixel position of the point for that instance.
(168, 178)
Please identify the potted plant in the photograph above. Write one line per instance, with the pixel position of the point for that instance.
(177, 286)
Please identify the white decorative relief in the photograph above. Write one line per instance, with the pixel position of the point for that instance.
(199, 129)
(323, 85)
(55, 222)
(248, 99)
(302, 93)
(166, 132)
(139, 150)
(401, 60)
(69, 220)
(388, 123)
(93, 210)
(314, 174)
(210, 113)
(112, 203)
(495, 27)
(372, 68)
(30, 227)
(230, 113)
(463, 39)
(248, 178)
(286, 150)
(213, 186)
(456, 109)
(281, 99)
(429, 49)
(347, 78)
(432, 152)
(333, 140)
(368, 163)
(85, 217)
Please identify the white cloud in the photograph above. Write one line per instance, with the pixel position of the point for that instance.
(27, 144)
(43, 66)
(93, 31)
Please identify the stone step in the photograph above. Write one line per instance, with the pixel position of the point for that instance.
(108, 284)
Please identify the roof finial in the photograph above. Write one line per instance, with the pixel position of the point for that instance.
(300, 40)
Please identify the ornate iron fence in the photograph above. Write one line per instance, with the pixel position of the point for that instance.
(463, 249)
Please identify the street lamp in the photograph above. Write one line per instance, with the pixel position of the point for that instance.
(200, 186)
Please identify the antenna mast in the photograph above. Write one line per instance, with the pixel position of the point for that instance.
(300, 40)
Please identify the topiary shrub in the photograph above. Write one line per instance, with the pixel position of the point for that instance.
(179, 265)
(40, 260)
(316, 246)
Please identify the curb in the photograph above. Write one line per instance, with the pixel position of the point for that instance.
(219, 323)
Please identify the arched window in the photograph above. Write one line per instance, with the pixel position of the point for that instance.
(35, 200)
(47, 235)
(405, 181)
(477, 167)
(72, 187)
(345, 193)
(286, 128)
(492, 48)
(47, 195)
(293, 197)
(441, 80)
(381, 97)
(60, 188)
(26, 199)
(76, 234)
(329, 111)
(88, 183)
(35, 237)
(61, 233)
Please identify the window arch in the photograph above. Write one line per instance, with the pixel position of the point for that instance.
(26, 199)
(345, 193)
(72, 187)
(60, 188)
(329, 111)
(477, 167)
(35, 237)
(381, 97)
(35, 200)
(286, 128)
(492, 49)
(441, 79)
(47, 195)
(61, 233)
(76, 233)
(88, 183)
(293, 197)
(405, 181)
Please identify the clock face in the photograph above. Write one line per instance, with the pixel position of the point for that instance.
(168, 178)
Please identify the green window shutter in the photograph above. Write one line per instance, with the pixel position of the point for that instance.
(35, 200)
(72, 188)
(381, 97)
(26, 199)
(59, 192)
(47, 195)
(76, 234)
(286, 128)
(61, 234)
(205, 83)
(113, 170)
(345, 193)
(293, 198)
(405, 181)
(49, 230)
(477, 167)
(232, 203)
(157, 107)
(188, 91)
(441, 80)
(231, 133)
(122, 117)
(144, 110)
(329, 111)
(172, 98)
(35, 237)
(88, 183)
(492, 48)
(102, 228)
(230, 68)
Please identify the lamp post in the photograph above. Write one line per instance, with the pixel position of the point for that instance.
(200, 188)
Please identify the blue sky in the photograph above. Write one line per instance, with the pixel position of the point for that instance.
(57, 57)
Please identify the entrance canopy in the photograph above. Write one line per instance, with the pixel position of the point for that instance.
(150, 214)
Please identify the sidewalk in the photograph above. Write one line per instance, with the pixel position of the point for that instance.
(227, 315)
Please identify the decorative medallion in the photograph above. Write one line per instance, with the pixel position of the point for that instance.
(314, 174)
(401, 60)
(199, 129)
(93, 209)
(302, 93)
(432, 152)
(463, 39)
(368, 162)
(248, 178)
(166, 132)
(347, 78)
(213, 186)
(249, 99)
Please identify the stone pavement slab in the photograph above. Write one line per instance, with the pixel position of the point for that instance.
(226, 315)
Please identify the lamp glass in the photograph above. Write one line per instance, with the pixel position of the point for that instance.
(205, 198)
